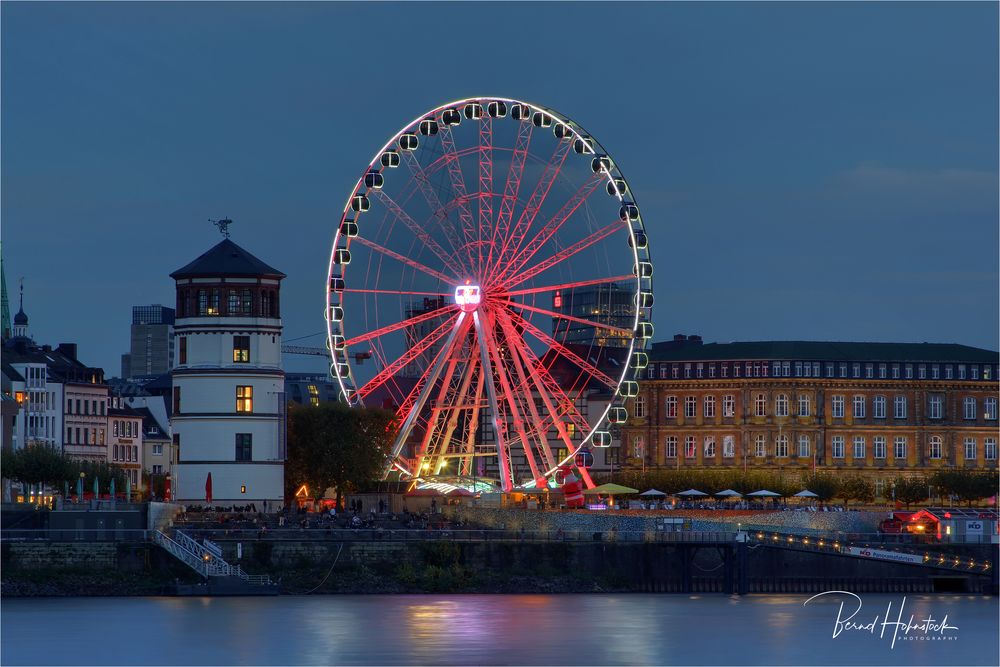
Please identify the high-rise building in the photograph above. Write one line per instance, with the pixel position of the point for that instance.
(152, 342)
(609, 304)
(228, 398)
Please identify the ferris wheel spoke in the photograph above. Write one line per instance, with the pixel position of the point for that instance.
(499, 428)
(440, 214)
(456, 409)
(512, 187)
(485, 184)
(448, 280)
(407, 357)
(356, 290)
(416, 229)
(552, 226)
(429, 378)
(525, 384)
(515, 237)
(567, 353)
(516, 412)
(566, 253)
(568, 286)
(459, 192)
(402, 324)
(564, 316)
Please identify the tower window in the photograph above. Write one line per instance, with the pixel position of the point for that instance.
(182, 350)
(244, 447)
(241, 349)
(244, 398)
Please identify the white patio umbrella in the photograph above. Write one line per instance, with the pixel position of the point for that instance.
(692, 492)
(764, 493)
(806, 493)
(652, 492)
(729, 493)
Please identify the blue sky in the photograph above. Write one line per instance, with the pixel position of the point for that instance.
(806, 171)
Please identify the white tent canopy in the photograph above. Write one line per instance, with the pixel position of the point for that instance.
(729, 493)
(806, 493)
(692, 492)
(764, 493)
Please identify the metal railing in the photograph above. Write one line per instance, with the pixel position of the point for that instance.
(181, 553)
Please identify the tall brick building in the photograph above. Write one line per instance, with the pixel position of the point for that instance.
(879, 408)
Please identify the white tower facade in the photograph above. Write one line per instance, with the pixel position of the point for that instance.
(228, 404)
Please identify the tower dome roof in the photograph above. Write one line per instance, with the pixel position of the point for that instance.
(226, 259)
(20, 318)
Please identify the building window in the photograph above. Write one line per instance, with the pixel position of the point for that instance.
(177, 400)
(241, 349)
(157, 449)
(674, 371)
(781, 446)
(934, 447)
(213, 302)
(843, 370)
(837, 406)
(202, 302)
(935, 372)
(804, 408)
(687, 370)
(858, 407)
(895, 371)
(829, 370)
(233, 303)
(709, 446)
(882, 370)
(690, 406)
(724, 370)
(157, 469)
(922, 371)
(244, 447)
(699, 370)
(247, 301)
(947, 372)
(935, 407)
(899, 447)
(671, 407)
(728, 405)
(837, 447)
(760, 405)
(664, 371)
(638, 447)
(878, 407)
(786, 368)
(182, 350)
(114, 430)
(855, 370)
(728, 446)
(986, 372)
(869, 371)
(670, 447)
(690, 447)
(990, 407)
(640, 406)
(859, 446)
(177, 446)
(969, 407)
(760, 446)
(990, 449)
(970, 449)
(781, 405)
(879, 446)
(961, 371)
(899, 407)
(798, 369)
(803, 446)
(709, 407)
(244, 398)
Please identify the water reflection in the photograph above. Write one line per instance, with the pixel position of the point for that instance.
(477, 629)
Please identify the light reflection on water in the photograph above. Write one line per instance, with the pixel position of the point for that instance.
(480, 629)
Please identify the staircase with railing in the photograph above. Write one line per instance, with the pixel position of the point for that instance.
(201, 559)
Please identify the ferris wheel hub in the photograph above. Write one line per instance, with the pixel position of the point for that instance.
(468, 297)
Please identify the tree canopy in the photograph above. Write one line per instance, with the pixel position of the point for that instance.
(333, 445)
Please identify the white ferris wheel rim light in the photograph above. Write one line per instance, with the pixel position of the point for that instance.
(612, 175)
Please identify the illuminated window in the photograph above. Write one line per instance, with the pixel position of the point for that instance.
(213, 303)
(728, 446)
(313, 394)
(241, 349)
(709, 446)
(244, 398)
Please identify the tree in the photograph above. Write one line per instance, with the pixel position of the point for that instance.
(37, 464)
(825, 486)
(335, 445)
(857, 488)
(964, 484)
(910, 490)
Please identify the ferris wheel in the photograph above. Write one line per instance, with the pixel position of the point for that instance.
(490, 282)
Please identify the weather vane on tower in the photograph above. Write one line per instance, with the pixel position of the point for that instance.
(223, 226)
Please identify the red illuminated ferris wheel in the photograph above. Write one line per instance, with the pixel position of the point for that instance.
(490, 282)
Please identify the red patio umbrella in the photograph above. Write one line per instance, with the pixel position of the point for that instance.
(208, 488)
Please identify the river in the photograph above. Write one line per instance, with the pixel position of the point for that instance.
(495, 630)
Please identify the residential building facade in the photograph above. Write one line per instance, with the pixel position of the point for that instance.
(125, 447)
(880, 409)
